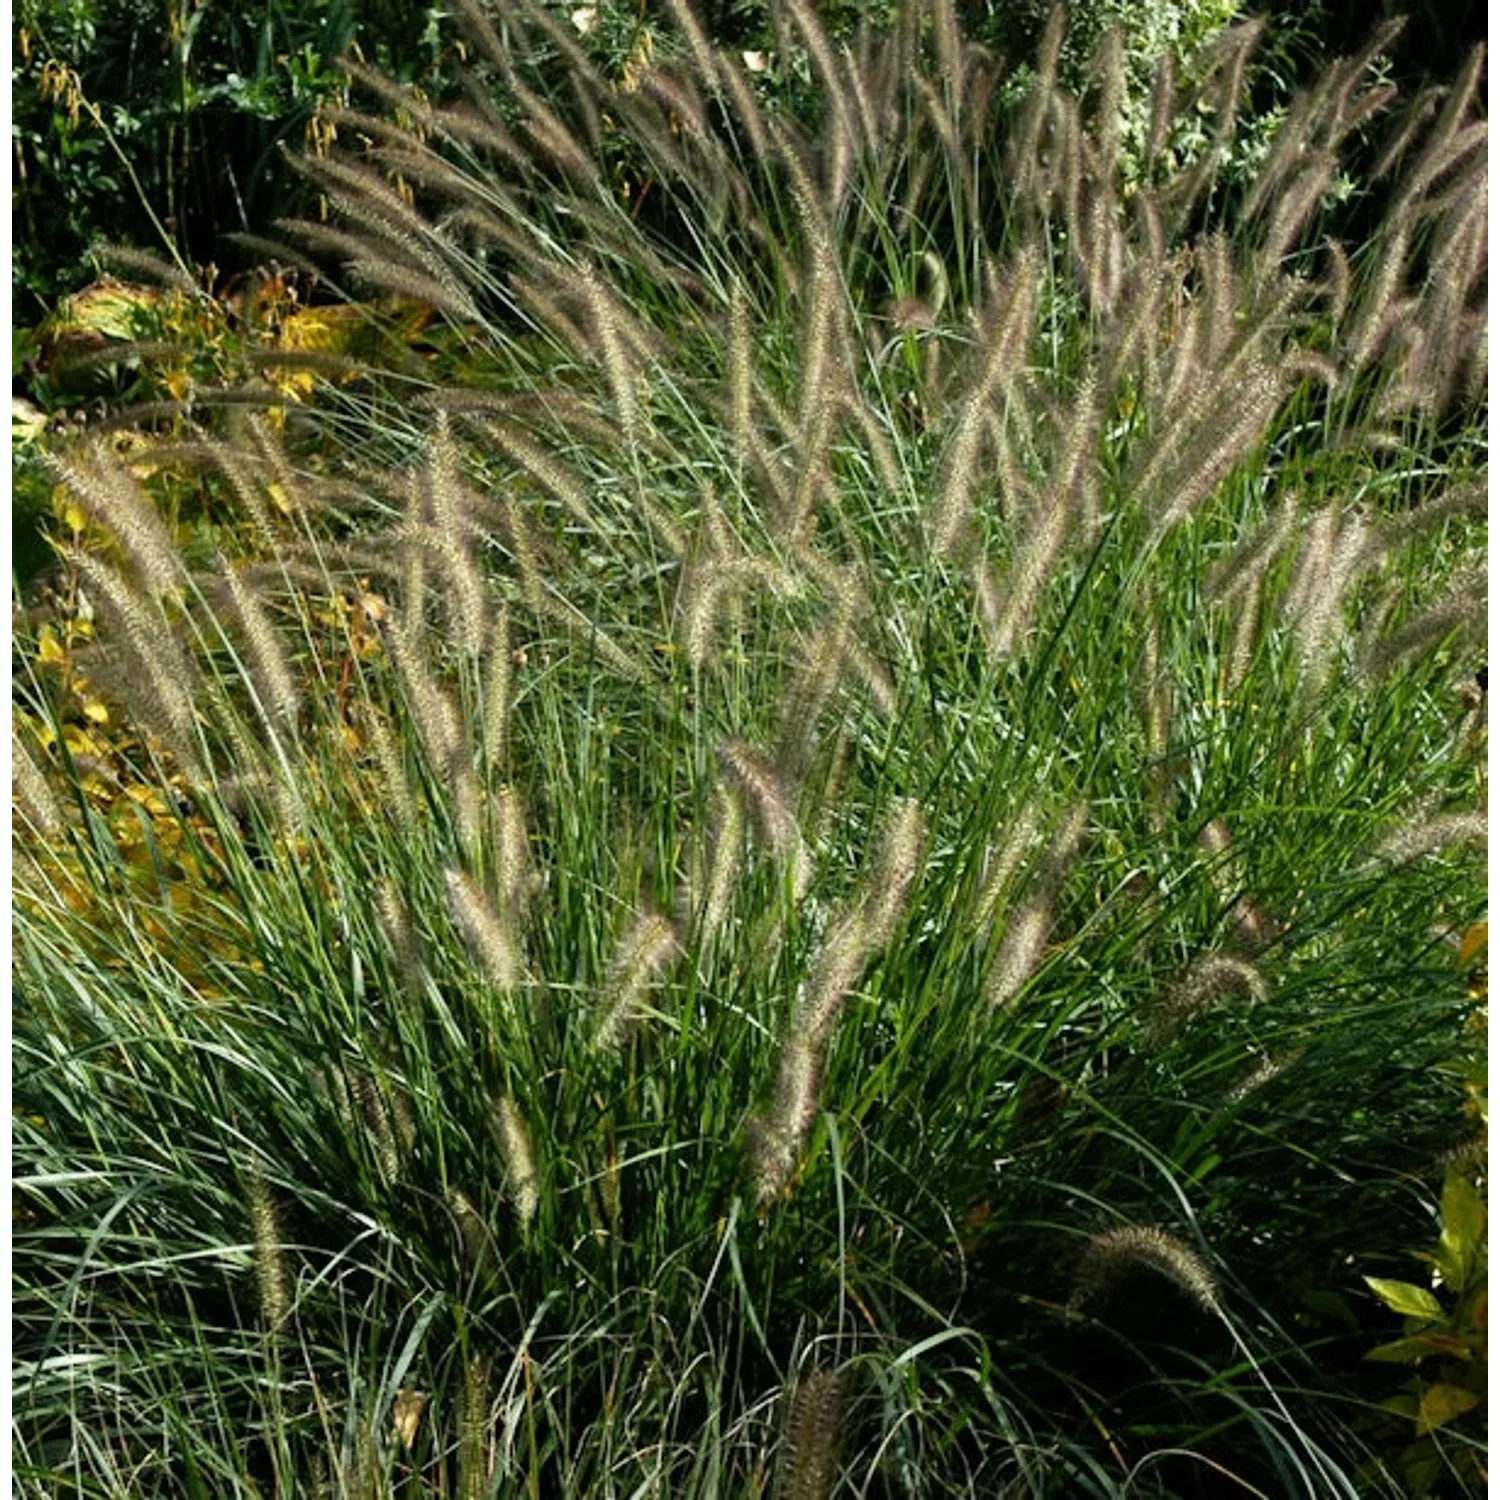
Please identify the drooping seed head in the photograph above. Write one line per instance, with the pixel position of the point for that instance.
(1112, 1256)
(1206, 980)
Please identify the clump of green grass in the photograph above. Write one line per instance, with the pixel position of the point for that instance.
(871, 752)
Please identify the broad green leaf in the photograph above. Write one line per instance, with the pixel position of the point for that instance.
(1404, 1298)
(1419, 1346)
(1331, 1305)
(1441, 1404)
(1463, 1227)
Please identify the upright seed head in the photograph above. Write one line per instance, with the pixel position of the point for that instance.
(464, 596)
(896, 866)
(844, 955)
(812, 1436)
(767, 796)
(774, 1140)
(391, 765)
(644, 951)
(727, 841)
(162, 688)
(512, 853)
(486, 934)
(1021, 951)
(1338, 550)
(276, 688)
(475, 1243)
(1029, 575)
(497, 690)
(607, 326)
(377, 1121)
(32, 797)
(1002, 860)
(247, 490)
(514, 1142)
(431, 711)
(1003, 359)
(270, 1263)
(465, 801)
(400, 935)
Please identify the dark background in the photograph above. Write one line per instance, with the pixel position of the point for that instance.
(195, 100)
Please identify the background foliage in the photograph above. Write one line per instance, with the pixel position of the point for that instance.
(131, 118)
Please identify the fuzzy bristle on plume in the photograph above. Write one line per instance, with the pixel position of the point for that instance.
(485, 932)
(1113, 1255)
(813, 1430)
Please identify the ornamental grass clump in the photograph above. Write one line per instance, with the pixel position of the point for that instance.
(686, 830)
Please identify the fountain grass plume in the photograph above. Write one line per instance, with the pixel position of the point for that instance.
(162, 679)
(1021, 951)
(1206, 980)
(725, 861)
(278, 696)
(485, 931)
(1084, 392)
(31, 793)
(1111, 1256)
(1002, 348)
(513, 1140)
(643, 953)
(101, 483)
(1421, 837)
(268, 1255)
(815, 1414)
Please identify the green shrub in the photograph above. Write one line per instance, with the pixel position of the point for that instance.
(812, 860)
(159, 124)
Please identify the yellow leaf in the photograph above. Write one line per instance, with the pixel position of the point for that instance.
(1404, 1298)
(26, 423)
(295, 385)
(407, 1414)
(95, 712)
(1441, 1404)
(279, 497)
(108, 307)
(179, 383)
(149, 798)
(1473, 943)
(327, 328)
(81, 741)
(48, 648)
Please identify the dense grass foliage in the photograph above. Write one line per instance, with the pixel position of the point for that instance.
(818, 858)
